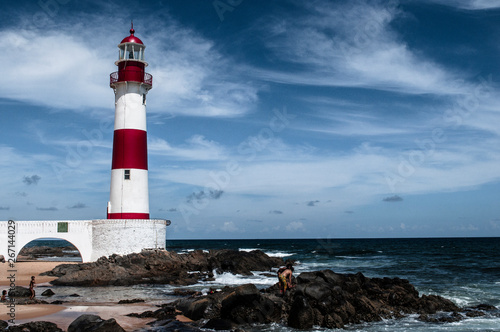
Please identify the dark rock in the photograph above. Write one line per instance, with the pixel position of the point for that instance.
(19, 291)
(441, 318)
(301, 314)
(48, 292)
(219, 324)
(57, 302)
(165, 313)
(94, 323)
(320, 298)
(176, 326)
(475, 313)
(74, 295)
(2, 259)
(3, 325)
(161, 267)
(36, 252)
(130, 301)
(485, 307)
(35, 327)
(186, 292)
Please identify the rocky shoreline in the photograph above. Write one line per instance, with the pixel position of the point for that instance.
(319, 298)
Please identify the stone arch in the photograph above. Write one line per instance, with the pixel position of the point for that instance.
(77, 232)
(51, 238)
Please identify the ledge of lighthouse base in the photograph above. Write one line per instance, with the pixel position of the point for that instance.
(126, 236)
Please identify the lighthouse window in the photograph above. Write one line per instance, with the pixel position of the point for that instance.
(144, 99)
(127, 174)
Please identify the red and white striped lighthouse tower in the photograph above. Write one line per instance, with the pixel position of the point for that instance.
(129, 196)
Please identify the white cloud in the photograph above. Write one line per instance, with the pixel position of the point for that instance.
(470, 4)
(353, 44)
(197, 147)
(229, 226)
(64, 67)
(294, 226)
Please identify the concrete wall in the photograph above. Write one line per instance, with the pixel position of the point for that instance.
(92, 238)
(124, 236)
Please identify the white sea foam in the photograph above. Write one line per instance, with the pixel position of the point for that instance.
(263, 279)
(270, 253)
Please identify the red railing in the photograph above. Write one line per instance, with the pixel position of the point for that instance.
(131, 76)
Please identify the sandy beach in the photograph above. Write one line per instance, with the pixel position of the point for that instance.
(24, 270)
(62, 315)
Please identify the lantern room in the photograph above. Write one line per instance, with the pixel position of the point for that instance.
(131, 63)
(131, 48)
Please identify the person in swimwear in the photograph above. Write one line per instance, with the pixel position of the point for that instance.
(285, 278)
(32, 287)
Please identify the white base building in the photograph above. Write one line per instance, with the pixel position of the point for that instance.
(92, 238)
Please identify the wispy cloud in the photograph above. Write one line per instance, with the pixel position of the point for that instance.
(29, 180)
(469, 4)
(196, 147)
(52, 208)
(190, 76)
(202, 195)
(78, 206)
(395, 198)
(352, 44)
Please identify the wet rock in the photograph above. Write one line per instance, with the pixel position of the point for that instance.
(19, 291)
(320, 298)
(161, 267)
(48, 292)
(36, 252)
(176, 326)
(130, 301)
(35, 327)
(301, 314)
(219, 324)
(3, 325)
(485, 307)
(475, 313)
(94, 323)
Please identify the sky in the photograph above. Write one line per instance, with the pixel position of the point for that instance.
(267, 119)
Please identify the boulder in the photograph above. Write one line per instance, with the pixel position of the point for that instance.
(2, 259)
(48, 292)
(176, 326)
(161, 267)
(129, 301)
(320, 298)
(35, 327)
(301, 314)
(19, 291)
(94, 323)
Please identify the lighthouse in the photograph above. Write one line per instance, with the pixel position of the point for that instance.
(129, 195)
(128, 227)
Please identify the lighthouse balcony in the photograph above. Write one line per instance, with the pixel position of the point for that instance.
(131, 76)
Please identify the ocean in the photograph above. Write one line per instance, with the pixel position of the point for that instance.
(464, 270)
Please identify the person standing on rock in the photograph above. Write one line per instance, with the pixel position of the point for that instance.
(285, 278)
(4, 294)
(32, 287)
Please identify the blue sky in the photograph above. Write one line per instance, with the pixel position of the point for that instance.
(267, 119)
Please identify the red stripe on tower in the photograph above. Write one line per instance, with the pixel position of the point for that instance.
(130, 149)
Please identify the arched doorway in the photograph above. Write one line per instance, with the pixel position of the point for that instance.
(49, 249)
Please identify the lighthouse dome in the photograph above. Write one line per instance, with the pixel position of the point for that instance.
(131, 38)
